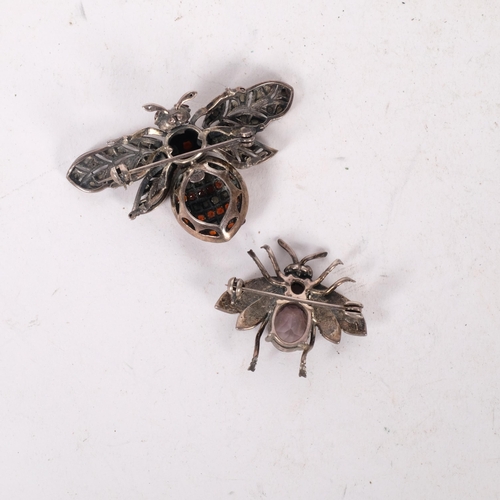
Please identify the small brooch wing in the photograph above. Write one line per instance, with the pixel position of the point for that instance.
(252, 308)
(344, 315)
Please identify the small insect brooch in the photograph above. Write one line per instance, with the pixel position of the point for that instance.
(293, 305)
(198, 163)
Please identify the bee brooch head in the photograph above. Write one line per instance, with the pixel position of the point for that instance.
(292, 305)
(193, 158)
(168, 119)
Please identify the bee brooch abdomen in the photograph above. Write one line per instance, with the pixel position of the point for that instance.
(215, 200)
(209, 197)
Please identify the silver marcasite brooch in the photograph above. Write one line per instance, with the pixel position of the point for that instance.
(292, 305)
(196, 159)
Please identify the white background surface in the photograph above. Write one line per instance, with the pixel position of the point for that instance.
(118, 378)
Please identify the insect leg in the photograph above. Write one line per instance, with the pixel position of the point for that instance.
(289, 249)
(326, 272)
(274, 262)
(257, 344)
(263, 270)
(302, 371)
(335, 285)
(153, 190)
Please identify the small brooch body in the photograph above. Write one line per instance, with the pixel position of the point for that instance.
(196, 159)
(292, 305)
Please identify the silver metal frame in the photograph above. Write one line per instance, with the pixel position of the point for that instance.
(231, 214)
(303, 341)
(224, 132)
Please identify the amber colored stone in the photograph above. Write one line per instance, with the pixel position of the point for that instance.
(230, 225)
(201, 217)
(213, 233)
(226, 206)
(218, 184)
(220, 210)
(211, 214)
(188, 223)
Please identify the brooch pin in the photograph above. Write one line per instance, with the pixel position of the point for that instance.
(293, 305)
(198, 163)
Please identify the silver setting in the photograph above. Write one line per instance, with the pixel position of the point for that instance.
(259, 302)
(234, 213)
(180, 146)
(281, 344)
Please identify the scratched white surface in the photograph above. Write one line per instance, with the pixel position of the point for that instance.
(119, 380)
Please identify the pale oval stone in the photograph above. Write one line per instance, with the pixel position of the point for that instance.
(290, 323)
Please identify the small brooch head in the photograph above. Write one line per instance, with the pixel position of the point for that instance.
(292, 305)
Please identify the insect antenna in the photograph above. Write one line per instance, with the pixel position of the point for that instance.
(186, 97)
(313, 256)
(286, 247)
(153, 107)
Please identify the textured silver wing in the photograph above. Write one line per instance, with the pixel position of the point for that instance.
(327, 324)
(253, 107)
(246, 299)
(114, 164)
(255, 313)
(252, 308)
(153, 190)
(242, 154)
(330, 322)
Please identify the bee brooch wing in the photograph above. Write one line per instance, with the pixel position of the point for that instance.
(332, 320)
(252, 309)
(153, 190)
(251, 109)
(113, 165)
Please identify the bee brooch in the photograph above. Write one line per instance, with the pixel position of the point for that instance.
(195, 161)
(292, 305)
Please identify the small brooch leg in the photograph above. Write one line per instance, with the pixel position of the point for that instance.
(303, 371)
(257, 344)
